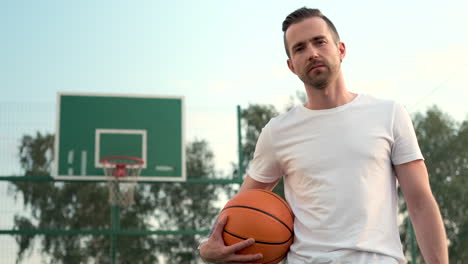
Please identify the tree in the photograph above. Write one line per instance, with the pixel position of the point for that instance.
(71, 206)
(254, 118)
(82, 206)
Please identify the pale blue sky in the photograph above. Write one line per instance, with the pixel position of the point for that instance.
(222, 53)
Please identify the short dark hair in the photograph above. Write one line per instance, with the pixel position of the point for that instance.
(303, 13)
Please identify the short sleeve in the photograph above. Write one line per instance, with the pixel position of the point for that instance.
(405, 145)
(264, 166)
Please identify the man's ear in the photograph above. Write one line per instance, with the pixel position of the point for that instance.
(342, 49)
(290, 66)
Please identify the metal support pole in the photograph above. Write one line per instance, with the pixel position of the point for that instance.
(239, 145)
(412, 241)
(115, 227)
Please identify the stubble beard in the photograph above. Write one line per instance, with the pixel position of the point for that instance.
(322, 79)
(318, 81)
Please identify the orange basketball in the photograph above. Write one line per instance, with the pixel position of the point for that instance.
(263, 216)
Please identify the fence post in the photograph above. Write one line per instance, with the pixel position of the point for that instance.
(412, 240)
(239, 143)
(115, 227)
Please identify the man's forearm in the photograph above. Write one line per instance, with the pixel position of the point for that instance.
(430, 232)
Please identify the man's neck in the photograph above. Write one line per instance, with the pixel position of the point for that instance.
(334, 95)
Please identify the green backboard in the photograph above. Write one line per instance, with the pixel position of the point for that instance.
(92, 126)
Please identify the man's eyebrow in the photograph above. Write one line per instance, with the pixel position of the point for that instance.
(319, 37)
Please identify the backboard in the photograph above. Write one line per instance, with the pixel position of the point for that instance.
(92, 126)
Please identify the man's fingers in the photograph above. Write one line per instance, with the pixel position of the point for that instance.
(230, 251)
(219, 227)
(245, 258)
(240, 245)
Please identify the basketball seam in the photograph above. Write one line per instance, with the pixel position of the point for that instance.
(261, 211)
(259, 242)
(280, 199)
(277, 197)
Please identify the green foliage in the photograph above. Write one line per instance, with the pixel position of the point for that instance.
(254, 118)
(84, 206)
(68, 206)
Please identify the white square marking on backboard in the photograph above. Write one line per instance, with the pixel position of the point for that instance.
(99, 132)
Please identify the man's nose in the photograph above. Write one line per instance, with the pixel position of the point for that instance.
(312, 52)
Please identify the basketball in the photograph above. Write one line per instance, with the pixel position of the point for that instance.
(263, 216)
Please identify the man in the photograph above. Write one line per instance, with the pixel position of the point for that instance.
(340, 155)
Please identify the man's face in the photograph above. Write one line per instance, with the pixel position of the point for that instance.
(315, 57)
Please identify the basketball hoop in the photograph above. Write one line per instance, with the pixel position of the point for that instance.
(123, 171)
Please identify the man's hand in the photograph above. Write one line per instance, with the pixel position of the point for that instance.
(215, 251)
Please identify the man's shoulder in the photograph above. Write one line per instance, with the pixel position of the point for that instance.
(287, 116)
(376, 101)
(373, 103)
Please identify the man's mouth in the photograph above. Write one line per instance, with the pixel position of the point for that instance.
(318, 66)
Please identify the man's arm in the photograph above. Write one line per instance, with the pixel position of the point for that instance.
(215, 251)
(423, 210)
(250, 183)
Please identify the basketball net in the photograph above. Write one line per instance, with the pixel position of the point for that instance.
(123, 172)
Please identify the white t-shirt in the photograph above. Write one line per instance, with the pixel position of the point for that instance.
(338, 174)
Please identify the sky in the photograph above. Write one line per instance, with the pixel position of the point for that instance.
(218, 54)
